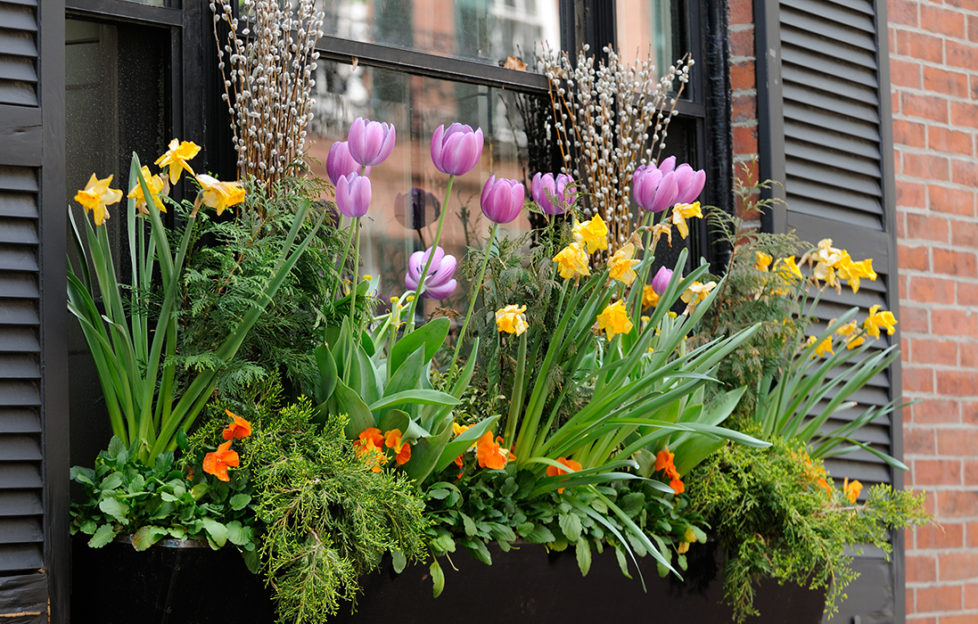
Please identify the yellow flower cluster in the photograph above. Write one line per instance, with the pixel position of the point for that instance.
(695, 294)
(786, 268)
(97, 196)
(853, 335)
(832, 264)
(512, 319)
(614, 320)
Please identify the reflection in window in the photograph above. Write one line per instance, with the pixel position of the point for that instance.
(652, 26)
(407, 189)
(484, 30)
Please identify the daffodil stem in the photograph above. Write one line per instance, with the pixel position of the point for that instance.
(434, 245)
(516, 404)
(476, 289)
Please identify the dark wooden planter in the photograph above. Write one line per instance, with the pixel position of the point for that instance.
(174, 582)
(530, 585)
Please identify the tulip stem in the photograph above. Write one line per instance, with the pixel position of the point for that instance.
(477, 288)
(431, 256)
(355, 229)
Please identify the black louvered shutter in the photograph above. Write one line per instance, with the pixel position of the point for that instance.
(825, 131)
(32, 241)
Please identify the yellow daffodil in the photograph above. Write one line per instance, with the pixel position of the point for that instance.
(155, 184)
(822, 348)
(96, 196)
(875, 320)
(220, 195)
(853, 271)
(620, 265)
(852, 490)
(853, 336)
(650, 298)
(511, 319)
(176, 158)
(592, 234)
(787, 268)
(696, 293)
(826, 258)
(572, 261)
(663, 228)
(614, 320)
(681, 212)
(762, 261)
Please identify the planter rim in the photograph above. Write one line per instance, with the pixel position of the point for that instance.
(168, 543)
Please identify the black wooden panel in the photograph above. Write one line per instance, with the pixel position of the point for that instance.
(19, 419)
(25, 595)
(18, 53)
(16, 475)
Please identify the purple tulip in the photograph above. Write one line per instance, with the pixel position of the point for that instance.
(546, 190)
(654, 190)
(661, 280)
(339, 162)
(370, 142)
(440, 282)
(667, 165)
(456, 150)
(353, 194)
(502, 199)
(689, 182)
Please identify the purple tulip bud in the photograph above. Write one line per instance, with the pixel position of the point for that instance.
(645, 182)
(370, 142)
(439, 283)
(353, 194)
(502, 199)
(546, 190)
(661, 280)
(667, 165)
(689, 182)
(456, 150)
(665, 195)
(339, 162)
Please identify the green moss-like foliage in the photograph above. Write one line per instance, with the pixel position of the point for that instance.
(327, 518)
(770, 512)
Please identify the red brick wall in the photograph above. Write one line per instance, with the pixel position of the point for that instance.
(934, 78)
(934, 84)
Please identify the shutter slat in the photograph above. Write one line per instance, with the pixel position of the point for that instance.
(18, 258)
(19, 312)
(803, 22)
(19, 340)
(19, 448)
(856, 15)
(19, 393)
(20, 503)
(19, 366)
(803, 49)
(19, 475)
(20, 285)
(20, 557)
(822, 136)
(24, 530)
(18, 231)
(801, 94)
(19, 420)
(23, 205)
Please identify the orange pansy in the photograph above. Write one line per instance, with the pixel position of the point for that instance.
(553, 471)
(239, 427)
(488, 453)
(218, 462)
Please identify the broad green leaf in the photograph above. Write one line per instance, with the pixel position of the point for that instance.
(148, 535)
(478, 549)
(539, 535)
(103, 536)
(431, 335)
(398, 561)
(112, 481)
(239, 501)
(570, 524)
(437, 579)
(238, 534)
(583, 548)
(425, 453)
(198, 491)
(116, 509)
(217, 533)
(349, 402)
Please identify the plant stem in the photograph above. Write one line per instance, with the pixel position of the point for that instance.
(353, 294)
(475, 293)
(516, 404)
(434, 245)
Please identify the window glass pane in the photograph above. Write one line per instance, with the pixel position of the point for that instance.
(652, 26)
(407, 189)
(483, 30)
(149, 2)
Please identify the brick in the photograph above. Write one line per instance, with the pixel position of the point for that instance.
(965, 234)
(915, 257)
(957, 566)
(964, 114)
(968, 356)
(927, 227)
(969, 413)
(946, 82)
(744, 108)
(742, 43)
(911, 194)
(914, 319)
(918, 379)
(909, 133)
(941, 598)
(960, 54)
(932, 290)
(967, 5)
(941, 21)
(741, 12)
(957, 503)
(940, 536)
(973, 28)
(957, 383)
(959, 263)
(935, 412)
(920, 46)
(742, 76)
(928, 106)
(929, 166)
(921, 569)
(744, 139)
(954, 323)
(948, 200)
(944, 140)
(936, 472)
(919, 440)
(905, 73)
(970, 472)
(964, 172)
(959, 618)
(917, 619)
(902, 12)
(971, 596)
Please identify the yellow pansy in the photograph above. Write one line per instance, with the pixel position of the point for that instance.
(155, 184)
(696, 293)
(614, 320)
(511, 319)
(650, 298)
(762, 261)
(620, 265)
(96, 196)
(681, 212)
(822, 348)
(220, 195)
(572, 261)
(592, 234)
(884, 319)
(176, 158)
